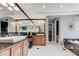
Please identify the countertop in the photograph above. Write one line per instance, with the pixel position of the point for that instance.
(11, 39)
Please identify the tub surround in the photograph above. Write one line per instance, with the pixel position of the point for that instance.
(72, 45)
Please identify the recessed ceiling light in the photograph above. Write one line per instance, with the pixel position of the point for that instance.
(10, 8)
(61, 5)
(16, 8)
(44, 6)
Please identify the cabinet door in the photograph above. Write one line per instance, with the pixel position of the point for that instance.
(5, 53)
(17, 50)
(37, 40)
(43, 40)
(25, 47)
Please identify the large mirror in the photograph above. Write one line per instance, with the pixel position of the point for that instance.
(28, 26)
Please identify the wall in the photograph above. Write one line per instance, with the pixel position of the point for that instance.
(65, 30)
(46, 29)
(41, 28)
(11, 27)
(0, 27)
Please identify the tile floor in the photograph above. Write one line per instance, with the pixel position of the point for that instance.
(49, 50)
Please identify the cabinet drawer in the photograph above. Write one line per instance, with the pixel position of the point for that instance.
(17, 50)
(25, 47)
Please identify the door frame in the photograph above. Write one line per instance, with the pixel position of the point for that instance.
(55, 36)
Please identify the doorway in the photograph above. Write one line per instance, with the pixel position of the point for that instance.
(53, 30)
(56, 30)
(50, 35)
(50, 31)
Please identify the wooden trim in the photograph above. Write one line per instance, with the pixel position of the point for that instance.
(23, 12)
(28, 19)
(26, 14)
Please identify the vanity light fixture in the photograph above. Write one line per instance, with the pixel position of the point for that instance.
(11, 4)
(10, 8)
(61, 5)
(5, 4)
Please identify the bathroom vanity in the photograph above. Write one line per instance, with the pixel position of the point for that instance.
(39, 39)
(17, 46)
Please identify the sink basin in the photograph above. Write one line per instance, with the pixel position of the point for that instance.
(12, 39)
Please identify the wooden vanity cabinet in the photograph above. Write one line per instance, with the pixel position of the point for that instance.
(20, 49)
(25, 47)
(16, 50)
(39, 40)
(5, 52)
(43, 40)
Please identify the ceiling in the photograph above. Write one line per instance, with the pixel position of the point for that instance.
(36, 10)
(41, 10)
(5, 12)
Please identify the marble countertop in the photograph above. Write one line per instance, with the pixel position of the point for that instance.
(12, 39)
